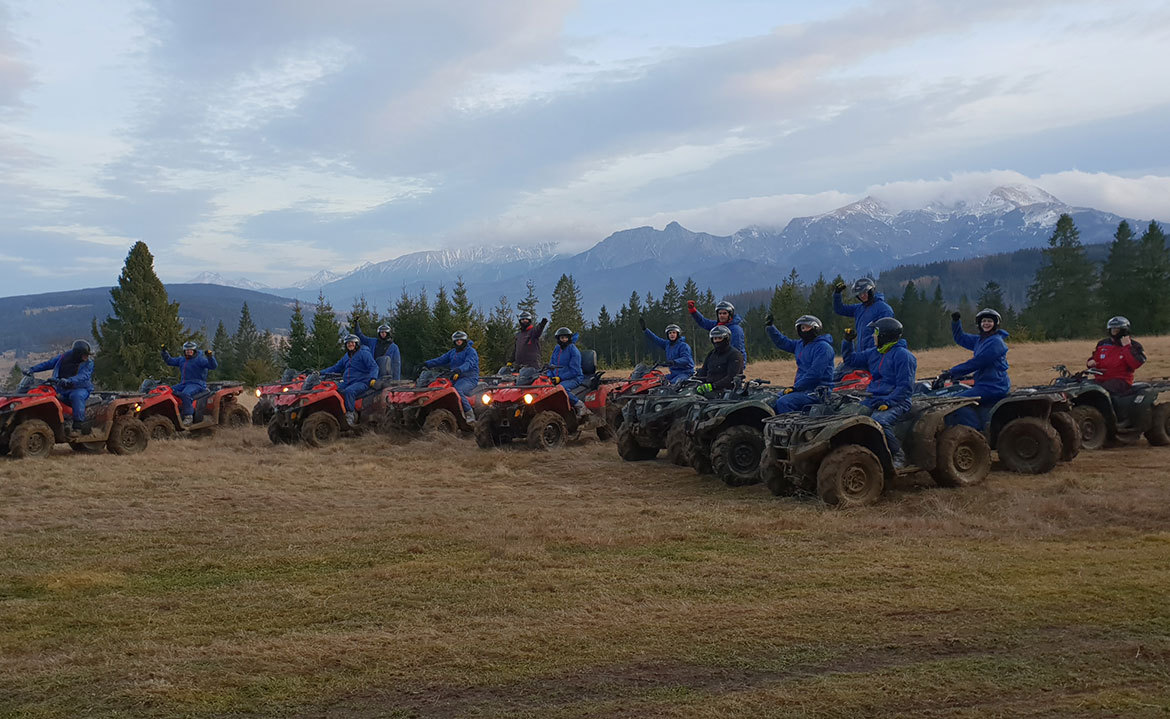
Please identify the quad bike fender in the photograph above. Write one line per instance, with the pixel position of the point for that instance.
(1098, 398)
(921, 444)
(748, 413)
(1011, 408)
(46, 410)
(853, 429)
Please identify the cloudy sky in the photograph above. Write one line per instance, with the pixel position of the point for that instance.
(275, 138)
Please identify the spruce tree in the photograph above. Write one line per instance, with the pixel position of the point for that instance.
(221, 344)
(324, 347)
(248, 343)
(991, 297)
(363, 317)
(566, 305)
(498, 336)
(14, 377)
(674, 306)
(1151, 309)
(1120, 287)
(412, 330)
(467, 317)
(528, 304)
(442, 322)
(820, 305)
(1061, 300)
(142, 320)
(298, 352)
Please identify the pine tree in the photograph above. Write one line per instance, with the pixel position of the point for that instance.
(1151, 310)
(324, 348)
(298, 351)
(938, 320)
(362, 317)
(1061, 300)
(442, 322)
(498, 336)
(528, 304)
(991, 297)
(248, 343)
(14, 377)
(466, 316)
(221, 344)
(674, 306)
(1120, 287)
(143, 319)
(413, 332)
(820, 305)
(262, 367)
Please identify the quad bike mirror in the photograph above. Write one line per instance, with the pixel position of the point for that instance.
(640, 371)
(288, 376)
(527, 375)
(26, 383)
(147, 385)
(311, 381)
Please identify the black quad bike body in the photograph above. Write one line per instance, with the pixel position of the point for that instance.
(652, 422)
(642, 380)
(725, 435)
(1103, 417)
(32, 420)
(839, 453)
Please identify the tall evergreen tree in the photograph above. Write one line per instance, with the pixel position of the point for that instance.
(15, 375)
(690, 291)
(248, 342)
(528, 304)
(991, 297)
(413, 331)
(1151, 310)
(466, 316)
(1119, 275)
(298, 353)
(443, 321)
(324, 348)
(498, 336)
(221, 344)
(566, 305)
(363, 316)
(674, 305)
(142, 320)
(1061, 300)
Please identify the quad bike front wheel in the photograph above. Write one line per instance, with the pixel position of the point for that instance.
(320, 429)
(262, 413)
(1070, 437)
(33, 438)
(280, 435)
(546, 431)
(773, 476)
(1159, 432)
(630, 449)
(1091, 424)
(735, 455)
(159, 427)
(128, 435)
(1029, 445)
(850, 476)
(440, 421)
(676, 438)
(485, 434)
(964, 458)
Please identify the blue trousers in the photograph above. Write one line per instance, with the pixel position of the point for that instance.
(794, 402)
(185, 391)
(465, 386)
(351, 390)
(75, 398)
(970, 416)
(679, 375)
(569, 386)
(887, 419)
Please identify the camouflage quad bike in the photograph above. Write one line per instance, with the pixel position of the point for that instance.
(650, 423)
(1103, 417)
(643, 379)
(1032, 429)
(840, 453)
(725, 436)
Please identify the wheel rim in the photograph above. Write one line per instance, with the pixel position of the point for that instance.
(965, 458)
(744, 458)
(855, 480)
(129, 438)
(36, 443)
(551, 434)
(1088, 430)
(321, 432)
(1026, 447)
(158, 432)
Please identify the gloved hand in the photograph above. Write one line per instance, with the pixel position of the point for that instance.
(705, 388)
(691, 307)
(544, 320)
(956, 316)
(209, 353)
(555, 379)
(454, 376)
(850, 334)
(26, 373)
(508, 364)
(163, 348)
(788, 390)
(642, 322)
(944, 375)
(356, 328)
(882, 407)
(839, 286)
(770, 321)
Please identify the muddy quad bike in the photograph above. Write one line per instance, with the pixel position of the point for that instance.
(725, 436)
(1105, 418)
(315, 412)
(1032, 429)
(216, 406)
(430, 404)
(264, 409)
(652, 422)
(643, 379)
(540, 411)
(838, 452)
(32, 420)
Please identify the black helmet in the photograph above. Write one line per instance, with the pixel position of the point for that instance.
(82, 347)
(563, 332)
(888, 330)
(725, 305)
(988, 312)
(190, 346)
(674, 328)
(459, 335)
(350, 338)
(864, 285)
(719, 333)
(384, 328)
(1117, 323)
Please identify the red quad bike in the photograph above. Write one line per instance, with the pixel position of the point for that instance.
(315, 411)
(431, 405)
(32, 420)
(540, 411)
(620, 391)
(218, 405)
(264, 409)
(855, 380)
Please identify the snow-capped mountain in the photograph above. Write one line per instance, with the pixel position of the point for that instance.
(214, 278)
(317, 281)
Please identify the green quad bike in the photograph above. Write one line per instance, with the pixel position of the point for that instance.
(1032, 429)
(839, 453)
(1105, 418)
(650, 423)
(725, 436)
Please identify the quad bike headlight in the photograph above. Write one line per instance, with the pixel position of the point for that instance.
(257, 391)
(284, 389)
(486, 398)
(528, 398)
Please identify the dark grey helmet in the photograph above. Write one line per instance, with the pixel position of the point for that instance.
(350, 338)
(988, 312)
(563, 332)
(383, 328)
(459, 335)
(809, 320)
(673, 328)
(525, 315)
(83, 347)
(864, 285)
(719, 332)
(190, 346)
(725, 305)
(888, 330)
(1117, 323)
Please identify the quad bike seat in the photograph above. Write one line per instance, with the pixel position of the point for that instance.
(589, 369)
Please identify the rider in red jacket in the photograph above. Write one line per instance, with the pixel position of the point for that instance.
(1118, 355)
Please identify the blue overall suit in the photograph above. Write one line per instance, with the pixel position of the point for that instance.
(814, 368)
(566, 365)
(892, 374)
(990, 367)
(388, 348)
(75, 380)
(357, 371)
(678, 356)
(738, 338)
(862, 313)
(464, 364)
(192, 377)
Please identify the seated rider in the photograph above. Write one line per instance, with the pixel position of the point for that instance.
(565, 367)
(892, 368)
(382, 346)
(988, 364)
(72, 370)
(193, 368)
(871, 306)
(1118, 355)
(526, 349)
(358, 371)
(814, 361)
(463, 361)
(722, 364)
(724, 315)
(678, 353)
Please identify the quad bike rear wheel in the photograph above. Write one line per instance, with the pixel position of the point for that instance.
(1091, 424)
(236, 417)
(159, 427)
(850, 476)
(630, 449)
(1159, 432)
(280, 435)
(1070, 437)
(128, 435)
(963, 460)
(546, 431)
(440, 421)
(676, 438)
(735, 455)
(1029, 445)
(320, 429)
(32, 438)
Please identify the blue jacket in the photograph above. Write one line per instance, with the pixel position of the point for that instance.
(191, 370)
(464, 363)
(989, 365)
(678, 355)
(392, 352)
(862, 315)
(892, 373)
(566, 362)
(358, 367)
(82, 380)
(814, 360)
(738, 339)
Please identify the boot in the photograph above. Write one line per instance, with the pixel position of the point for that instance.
(83, 427)
(351, 419)
(899, 459)
(187, 420)
(581, 410)
(67, 427)
(469, 415)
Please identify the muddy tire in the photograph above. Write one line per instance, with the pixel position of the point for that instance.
(964, 459)
(31, 439)
(546, 431)
(128, 435)
(773, 476)
(159, 428)
(604, 433)
(485, 435)
(613, 416)
(735, 455)
(88, 447)
(440, 421)
(1029, 445)
(1091, 425)
(280, 435)
(630, 449)
(320, 429)
(676, 438)
(1159, 432)
(694, 457)
(236, 417)
(850, 476)
(262, 413)
(1070, 437)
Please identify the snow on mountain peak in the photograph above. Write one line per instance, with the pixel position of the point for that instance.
(318, 280)
(214, 278)
(869, 206)
(1014, 196)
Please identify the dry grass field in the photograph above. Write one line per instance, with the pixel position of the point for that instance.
(228, 577)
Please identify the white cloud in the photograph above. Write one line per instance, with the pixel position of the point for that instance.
(88, 235)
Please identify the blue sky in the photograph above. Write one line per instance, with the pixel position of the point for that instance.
(274, 138)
